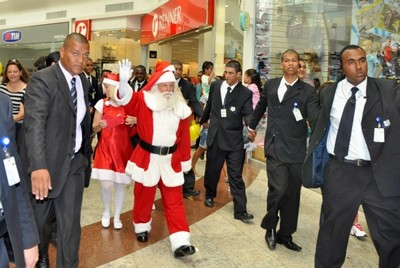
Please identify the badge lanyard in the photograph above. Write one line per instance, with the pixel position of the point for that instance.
(9, 163)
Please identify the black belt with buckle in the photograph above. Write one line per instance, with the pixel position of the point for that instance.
(160, 150)
(358, 162)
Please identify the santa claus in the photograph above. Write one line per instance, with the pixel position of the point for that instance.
(163, 153)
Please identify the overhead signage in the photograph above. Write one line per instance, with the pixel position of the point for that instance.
(38, 34)
(83, 27)
(12, 36)
(176, 17)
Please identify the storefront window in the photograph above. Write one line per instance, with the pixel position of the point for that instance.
(318, 30)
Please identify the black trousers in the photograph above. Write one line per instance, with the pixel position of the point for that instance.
(190, 179)
(283, 197)
(67, 209)
(346, 186)
(234, 162)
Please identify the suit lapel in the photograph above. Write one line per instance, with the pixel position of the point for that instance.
(233, 95)
(292, 91)
(274, 89)
(63, 85)
(372, 96)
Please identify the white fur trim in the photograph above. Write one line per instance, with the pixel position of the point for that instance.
(179, 239)
(142, 227)
(159, 168)
(110, 82)
(126, 93)
(182, 110)
(166, 78)
(187, 165)
(170, 68)
(110, 175)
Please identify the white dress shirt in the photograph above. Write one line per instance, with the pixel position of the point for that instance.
(224, 90)
(81, 108)
(283, 88)
(358, 148)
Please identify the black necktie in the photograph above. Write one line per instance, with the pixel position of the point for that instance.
(73, 93)
(139, 86)
(75, 103)
(345, 126)
(228, 92)
(90, 83)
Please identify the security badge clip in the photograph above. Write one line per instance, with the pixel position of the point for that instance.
(379, 132)
(9, 164)
(296, 112)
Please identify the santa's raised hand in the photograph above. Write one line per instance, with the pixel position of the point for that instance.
(125, 73)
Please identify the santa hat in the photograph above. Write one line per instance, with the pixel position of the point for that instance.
(164, 73)
(111, 79)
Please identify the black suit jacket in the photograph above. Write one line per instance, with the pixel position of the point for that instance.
(134, 82)
(229, 130)
(189, 93)
(289, 136)
(95, 91)
(383, 99)
(20, 221)
(49, 126)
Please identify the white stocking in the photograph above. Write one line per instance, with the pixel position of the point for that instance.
(119, 198)
(106, 194)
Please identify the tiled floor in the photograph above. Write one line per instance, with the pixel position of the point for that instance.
(220, 240)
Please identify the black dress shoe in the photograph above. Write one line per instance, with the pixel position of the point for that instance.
(243, 216)
(289, 244)
(183, 251)
(43, 262)
(209, 202)
(142, 237)
(270, 238)
(191, 193)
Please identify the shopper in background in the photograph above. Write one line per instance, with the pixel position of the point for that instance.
(206, 79)
(113, 151)
(189, 94)
(290, 103)
(302, 73)
(15, 78)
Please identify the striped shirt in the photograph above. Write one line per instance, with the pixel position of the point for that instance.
(16, 98)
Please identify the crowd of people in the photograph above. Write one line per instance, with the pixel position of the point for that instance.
(142, 126)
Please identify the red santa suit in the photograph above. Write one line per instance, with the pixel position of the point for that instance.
(163, 130)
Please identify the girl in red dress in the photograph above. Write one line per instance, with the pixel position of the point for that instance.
(112, 152)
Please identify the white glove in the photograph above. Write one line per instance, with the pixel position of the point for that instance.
(125, 71)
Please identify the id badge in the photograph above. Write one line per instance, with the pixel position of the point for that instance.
(297, 114)
(379, 134)
(11, 171)
(223, 113)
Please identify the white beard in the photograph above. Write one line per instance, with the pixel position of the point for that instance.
(166, 100)
(156, 101)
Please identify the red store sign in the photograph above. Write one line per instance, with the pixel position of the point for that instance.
(176, 17)
(84, 27)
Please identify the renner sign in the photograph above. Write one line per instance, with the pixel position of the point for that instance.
(175, 17)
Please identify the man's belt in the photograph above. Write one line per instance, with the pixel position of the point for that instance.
(358, 162)
(160, 150)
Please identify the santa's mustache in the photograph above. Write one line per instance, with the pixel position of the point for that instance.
(167, 95)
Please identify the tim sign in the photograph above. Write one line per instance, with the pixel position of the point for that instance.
(175, 17)
(12, 36)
